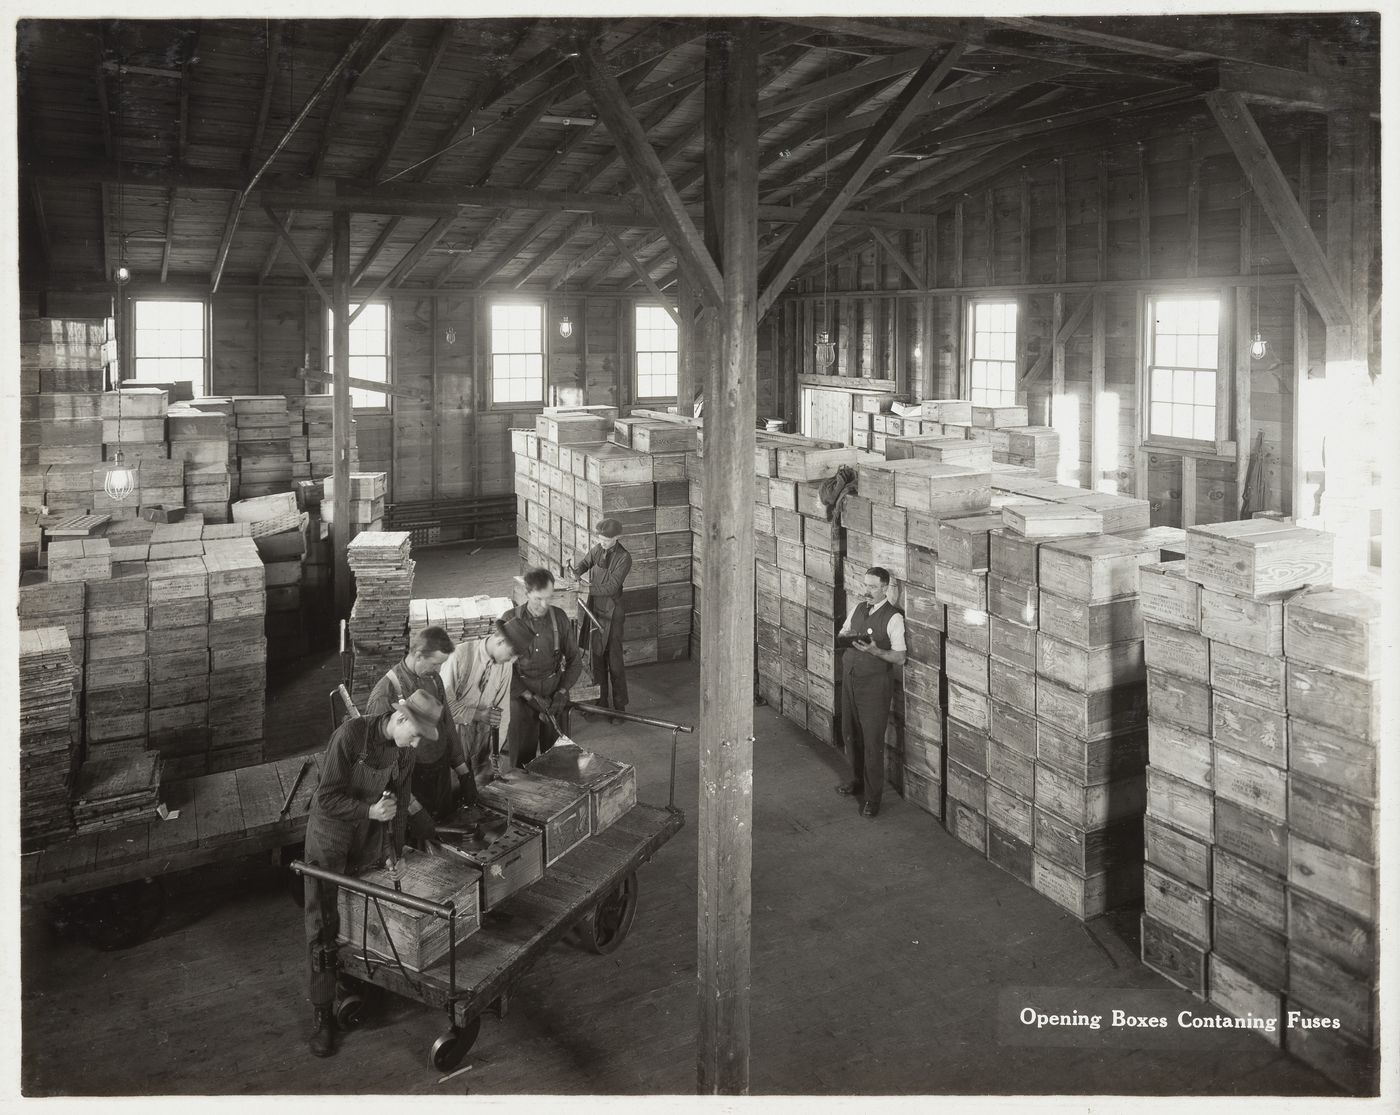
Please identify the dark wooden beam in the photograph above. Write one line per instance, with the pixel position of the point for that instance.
(272, 58)
(283, 230)
(646, 168)
(579, 263)
(366, 385)
(1271, 187)
(550, 250)
(1293, 89)
(410, 260)
(725, 812)
(342, 415)
(522, 240)
(813, 227)
(436, 52)
(856, 78)
(899, 259)
(373, 252)
(1088, 37)
(1058, 341)
(642, 274)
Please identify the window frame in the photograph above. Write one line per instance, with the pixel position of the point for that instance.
(128, 370)
(1219, 444)
(516, 404)
(969, 313)
(387, 407)
(637, 396)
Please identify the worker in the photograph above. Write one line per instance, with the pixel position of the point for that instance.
(544, 672)
(443, 756)
(875, 628)
(359, 812)
(607, 564)
(476, 678)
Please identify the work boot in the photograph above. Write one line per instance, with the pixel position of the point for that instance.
(323, 1032)
(616, 719)
(850, 788)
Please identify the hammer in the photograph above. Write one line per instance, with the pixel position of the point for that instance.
(389, 847)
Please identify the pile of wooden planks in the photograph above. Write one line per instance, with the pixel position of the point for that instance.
(112, 793)
(383, 574)
(116, 700)
(262, 446)
(1261, 878)
(581, 465)
(237, 651)
(47, 749)
(462, 617)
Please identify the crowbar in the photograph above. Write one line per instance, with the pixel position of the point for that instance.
(292, 793)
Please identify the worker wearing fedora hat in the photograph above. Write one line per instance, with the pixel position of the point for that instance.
(359, 812)
(607, 564)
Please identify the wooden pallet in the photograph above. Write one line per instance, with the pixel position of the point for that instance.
(222, 816)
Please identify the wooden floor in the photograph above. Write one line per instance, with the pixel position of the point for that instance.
(884, 956)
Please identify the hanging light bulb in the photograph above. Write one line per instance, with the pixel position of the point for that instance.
(1258, 347)
(823, 337)
(566, 327)
(120, 480)
(123, 273)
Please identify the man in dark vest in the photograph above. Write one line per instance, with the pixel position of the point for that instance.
(359, 813)
(549, 664)
(442, 777)
(607, 565)
(876, 628)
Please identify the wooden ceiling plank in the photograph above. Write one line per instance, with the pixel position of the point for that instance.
(860, 76)
(896, 117)
(284, 234)
(1269, 184)
(900, 259)
(643, 274)
(405, 265)
(273, 56)
(650, 175)
(552, 249)
(1087, 37)
(578, 263)
(507, 255)
(436, 52)
(373, 251)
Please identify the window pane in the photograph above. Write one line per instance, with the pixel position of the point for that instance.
(168, 345)
(1161, 420)
(1205, 423)
(1183, 420)
(1205, 389)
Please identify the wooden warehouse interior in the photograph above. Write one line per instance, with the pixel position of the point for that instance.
(815, 210)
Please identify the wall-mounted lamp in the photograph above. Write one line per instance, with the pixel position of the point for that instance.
(450, 336)
(566, 327)
(123, 273)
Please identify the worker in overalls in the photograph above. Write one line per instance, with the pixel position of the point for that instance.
(477, 678)
(607, 564)
(359, 812)
(545, 672)
(876, 630)
(442, 779)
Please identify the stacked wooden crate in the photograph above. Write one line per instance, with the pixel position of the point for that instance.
(133, 424)
(383, 574)
(238, 650)
(582, 465)
(199, 438)
(866, 408)
(280, 532)
(1012, 625)
(179, 661)
(116, 704)
(1332, 641)
(263, 445)
(462, 617)
(367, 492)
(112, 793)
(47, 751)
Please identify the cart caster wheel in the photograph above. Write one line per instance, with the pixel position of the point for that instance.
(449, 1049)
(350, 1012)
(120, 916)
(604, 929)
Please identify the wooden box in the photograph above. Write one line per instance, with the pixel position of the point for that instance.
(1121, 514)
(611, 786)
(1091, 570)
(1009, 852)
(1339, 629)
(1255, 625)
(923, 789)
(1248, 889)
(1013, 727)
(966, 667)
(1322, 985)
(1087, 850)
(1179, 906)
(1091, 806)
(1250, 729)
(1086, 896)
(1251, 783)
(1324, 814)
(994, 418)
(1188, 808)
(1258, 557)
(1091, 715)
(1181, 856)
(562, 810)
(967, 823)
(1168, 595)
(1177, 651)
(1329, 931)
(1182, 753)
(1012, 642)
(967, 746)
(1235, 993)
(1090, 762)
(1179, 700)
(1089, 670)
(508, 866)
(1174, 956)
(1090, 625)
(1251, 835)
(1249, 675)
(1261, 953)
(1014, 601)
(969, 706)
(420, 940)
(963, 542)
(969, 629)
(1346, 704)
(1337, 758)
(1334, 876)
(1011, 770)
(959, 588)
(1016, 686)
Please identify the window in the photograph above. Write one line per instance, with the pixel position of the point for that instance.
(517, 353)
(168, 343)
(1183, 359)
(992, 353)
(369, 352)
(658, 345)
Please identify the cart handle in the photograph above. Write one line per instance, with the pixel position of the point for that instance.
(444, 910)
(601, 711)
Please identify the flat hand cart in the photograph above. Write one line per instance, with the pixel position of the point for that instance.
(590, 892)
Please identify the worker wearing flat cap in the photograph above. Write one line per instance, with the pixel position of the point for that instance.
(359, 813)
(607, 564)
(547, 668)
(442, 778)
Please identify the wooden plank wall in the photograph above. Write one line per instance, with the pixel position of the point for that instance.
(1174, 206)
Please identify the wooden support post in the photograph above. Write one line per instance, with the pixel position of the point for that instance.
(686, 379)
(1188, 490)
(958, 244)
(1303, 491)
(1101, 248)
(1193, 212)
(990, 221)
(726, 672)
(341, 413)
(1096, 389)
(1061, 223)
(1144, 217)
(1244, 441)
(1025, 227)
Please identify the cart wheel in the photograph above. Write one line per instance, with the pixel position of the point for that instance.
(117, 917)
(296, 884)
(603, 930)
(350, 1012)
(449, 1049)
